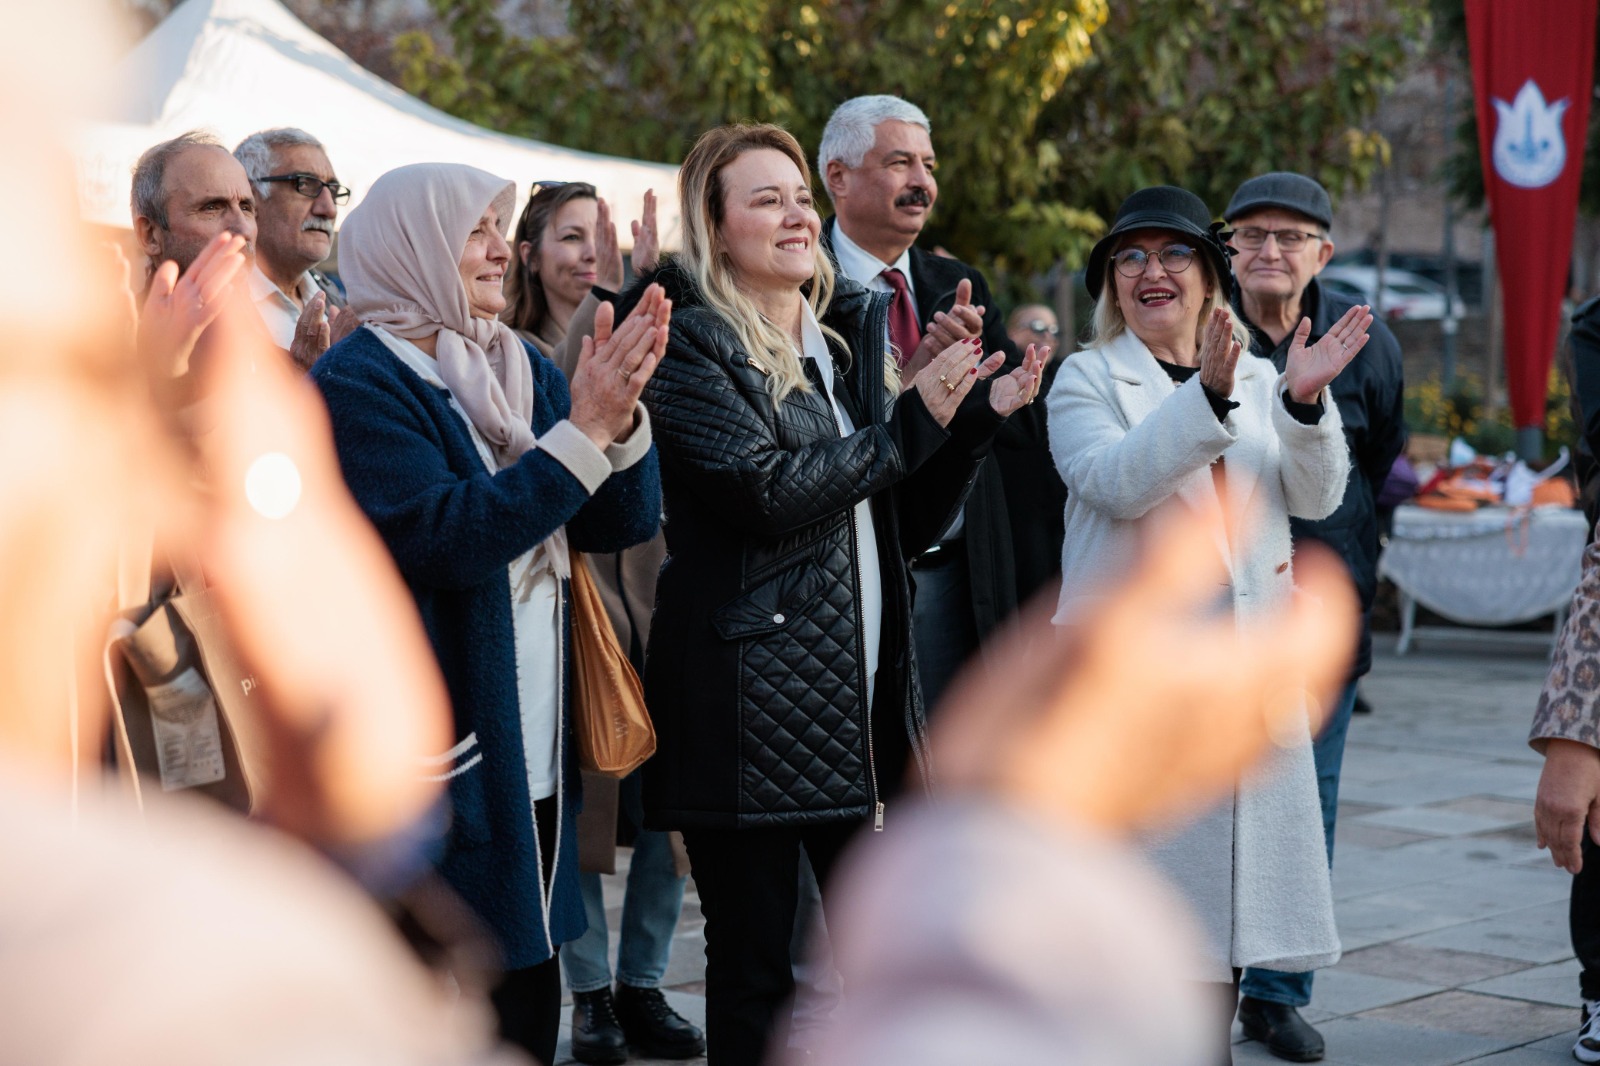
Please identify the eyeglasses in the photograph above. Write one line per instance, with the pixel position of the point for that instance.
(1039, 325)
(1289, 240)
(1175, 259)
(310, 186)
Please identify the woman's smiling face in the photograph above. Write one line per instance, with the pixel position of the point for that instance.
(769, 224)
(1158, 304)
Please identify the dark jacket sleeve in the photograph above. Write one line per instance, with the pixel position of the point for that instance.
(1585, 340)
(444, 530)
(1025, 428)
(711, 432)
(1385, 404)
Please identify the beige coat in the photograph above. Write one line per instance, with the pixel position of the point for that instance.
(627, 584)
(1130, 444)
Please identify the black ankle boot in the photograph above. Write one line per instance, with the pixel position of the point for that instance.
(654, 1028)
(596, 1035)
(1280, 1027)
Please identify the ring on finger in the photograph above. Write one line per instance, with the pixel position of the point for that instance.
(626, 374)
(949, 384)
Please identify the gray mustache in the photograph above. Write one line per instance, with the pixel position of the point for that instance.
(317, 224)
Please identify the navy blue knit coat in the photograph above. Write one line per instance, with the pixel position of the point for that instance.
(453, 529)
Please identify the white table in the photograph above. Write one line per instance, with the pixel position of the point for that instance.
(1490, 567)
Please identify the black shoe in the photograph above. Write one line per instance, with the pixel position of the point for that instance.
(1280, 1027)
(596, 1034)
(654, 1028)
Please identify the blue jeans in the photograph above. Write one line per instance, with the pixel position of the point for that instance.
(649, 916)
(1294, 989)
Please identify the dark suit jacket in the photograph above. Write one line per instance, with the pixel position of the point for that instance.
(990, 558)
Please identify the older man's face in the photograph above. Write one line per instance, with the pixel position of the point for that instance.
(888, 197)
(207, 194)
(296, 230)
(1270, 272)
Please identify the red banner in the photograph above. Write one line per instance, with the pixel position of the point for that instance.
(1532, 76)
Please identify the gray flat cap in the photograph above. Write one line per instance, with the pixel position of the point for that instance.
(1292, 192)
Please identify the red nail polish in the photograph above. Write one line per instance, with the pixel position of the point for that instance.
(973, 371)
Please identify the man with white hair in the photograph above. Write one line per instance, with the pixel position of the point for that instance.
(297, 198)
(877, 163)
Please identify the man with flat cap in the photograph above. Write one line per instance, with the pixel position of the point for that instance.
(1280, 225)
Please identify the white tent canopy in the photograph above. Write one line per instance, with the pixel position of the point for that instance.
(238, 66)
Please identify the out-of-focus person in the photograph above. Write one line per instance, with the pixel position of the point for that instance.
(798, 478)
(877, 164)
(478, 466)
(1280, 225)
(1159, 414)
(1035, 496)
(297, 204)
(966, 935)
(567, 261)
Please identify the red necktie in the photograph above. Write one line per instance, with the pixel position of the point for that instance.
(903, 328)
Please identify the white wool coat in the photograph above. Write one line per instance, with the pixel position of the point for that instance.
(1129, 444)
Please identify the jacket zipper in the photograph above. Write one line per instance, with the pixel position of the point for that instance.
(866, 688)
(871, 370)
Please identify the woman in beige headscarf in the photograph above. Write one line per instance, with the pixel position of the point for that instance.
(477, 464)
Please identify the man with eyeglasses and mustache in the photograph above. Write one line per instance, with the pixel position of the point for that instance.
(297, 198)
(1280, 227)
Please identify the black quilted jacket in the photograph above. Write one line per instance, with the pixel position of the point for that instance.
(754, 674)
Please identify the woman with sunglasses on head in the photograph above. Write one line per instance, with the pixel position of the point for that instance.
(567, 263)
(1160, 413)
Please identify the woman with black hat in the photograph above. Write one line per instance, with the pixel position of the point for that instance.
(1148, 419)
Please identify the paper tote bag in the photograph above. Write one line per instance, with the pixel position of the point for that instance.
(183, 701)
(609, 721)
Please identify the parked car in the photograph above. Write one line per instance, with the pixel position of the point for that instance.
(1405, 295)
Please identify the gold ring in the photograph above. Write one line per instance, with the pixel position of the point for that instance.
(949, 385)
(943, 380)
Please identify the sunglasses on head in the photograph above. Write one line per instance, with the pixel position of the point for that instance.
(1039, 325)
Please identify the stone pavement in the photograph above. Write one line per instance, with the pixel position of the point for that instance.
(1454, 924)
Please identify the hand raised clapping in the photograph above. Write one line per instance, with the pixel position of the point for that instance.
(1308, 370)
(179, 308)
(614, 366)
(945, 381)
(1219, 354)
(1010, 393)
(962, 322)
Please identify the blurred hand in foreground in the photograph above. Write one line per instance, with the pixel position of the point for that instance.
(1151, 702)
(314, 604)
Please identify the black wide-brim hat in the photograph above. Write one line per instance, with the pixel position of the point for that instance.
(1163, 207)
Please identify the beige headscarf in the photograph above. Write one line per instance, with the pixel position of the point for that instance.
(399, 256)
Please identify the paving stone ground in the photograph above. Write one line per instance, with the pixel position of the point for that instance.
(1454, 924)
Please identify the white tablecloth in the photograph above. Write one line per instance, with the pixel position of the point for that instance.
(1486, 567)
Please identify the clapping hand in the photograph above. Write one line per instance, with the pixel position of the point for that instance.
(1010, 393)
(1219, 354)
(614, 367)
(962, 322)
(607, 249)
(1308, 370)
(313, 333)
(945, 382)
(646, 240)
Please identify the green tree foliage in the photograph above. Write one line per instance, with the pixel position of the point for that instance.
(1045, 114)
(1207, 93)
(1464, 169)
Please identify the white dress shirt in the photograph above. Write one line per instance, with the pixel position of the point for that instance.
(277, 310)
(815, 347)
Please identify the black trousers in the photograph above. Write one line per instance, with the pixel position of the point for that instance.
(942, 622)
(528, 1001)
(748, 880)
(1583, 919)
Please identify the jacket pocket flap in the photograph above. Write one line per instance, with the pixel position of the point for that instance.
(771, 605)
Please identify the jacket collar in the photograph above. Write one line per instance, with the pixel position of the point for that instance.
(1130, 361)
